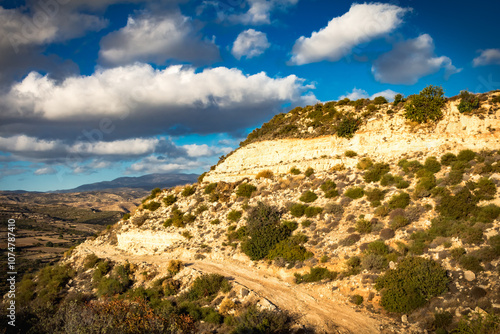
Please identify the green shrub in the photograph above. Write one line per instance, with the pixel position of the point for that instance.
(315, 274)
(375, 196)
(151, 206)
(377, 247)
(188, 191)
(291, 225)
(424, 187)
(459, 206)
(308, 197)
(425, 106)
(294, 171)
(210, 188)
(298, 210)
(289, 250)
(401, 183)
(309, 172)
(373, 262)
(201, 177)
(245, 190)
(466, 155)
(432, 164)
(469, 262)
(478, 323)
(364, 163)
(411, 284)
(448, 159)
(485, 189)
(348, 126)
(312, 211)
(234, 215)
(387, 179)
(255, 321)
(363, 226)
(398, 222)
(90, 261)
(468, 102)
(375, 172)
(155, 192)
(169, 200)
(402, 200)
(329, 188)
(457, 252)
(306, 223)
(397, 99)
(354, 193)
(126, 216)
(350, 154)
(410, 167)
(207, 286)
(215, 222)
(380, 100)
(357, 299)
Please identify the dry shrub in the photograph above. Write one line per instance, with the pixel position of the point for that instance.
(267, 174)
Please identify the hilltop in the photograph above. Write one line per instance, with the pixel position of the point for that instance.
(344, 217)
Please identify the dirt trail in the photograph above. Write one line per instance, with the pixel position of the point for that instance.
(325, 314)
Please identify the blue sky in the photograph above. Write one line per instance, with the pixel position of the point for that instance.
(92, 90)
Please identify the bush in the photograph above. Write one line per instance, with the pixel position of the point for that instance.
(188, 191)
(357, 299)
(126, 216)
(315, 274)
(348, 126)
(294, 171)
(478, 323)
(397, 99)
(375, 172)
(373, 262)
(175, 266)
(398, 222)
(469, 262)
(308, 197)
(468, 102)
(90, 261)
(411, 284)
(350, 240)
(312, 211)
(309, 172)
(329, 188)
(432, 164)
(375, 195)
(169, 200)
(234, 215)
(425, 106)
(289, 250)
(298, 210)
(207, 286)
(485, 189)
(466, 155)
(402, 200)
(267, 174)
(255, 321)
(306, 223)
(151, 206)
(363, 226)
(364, 163)
(354, 193)
(380, 100)
(448, 159)
(459, 206)
(245, 190)
(210, 188)
(350, 154)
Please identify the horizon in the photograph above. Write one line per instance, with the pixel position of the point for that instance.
(131, 88)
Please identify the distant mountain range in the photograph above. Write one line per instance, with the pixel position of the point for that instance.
(146, 182)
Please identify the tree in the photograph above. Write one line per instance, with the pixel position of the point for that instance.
(425, 106)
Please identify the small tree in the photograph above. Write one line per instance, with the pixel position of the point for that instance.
(468, 102)
(425, 106)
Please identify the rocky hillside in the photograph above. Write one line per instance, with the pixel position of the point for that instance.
(391, 229)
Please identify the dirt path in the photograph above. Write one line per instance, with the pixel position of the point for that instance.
(325, 314)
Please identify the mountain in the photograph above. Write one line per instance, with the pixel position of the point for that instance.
(146, 182)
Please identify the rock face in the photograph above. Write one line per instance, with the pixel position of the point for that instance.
(384, 138)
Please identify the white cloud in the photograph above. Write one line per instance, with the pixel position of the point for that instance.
(142, 101)
(363, 94)
(363, 23)
(487, 57)
(157, 38)
(259, 11)
(204, 150)
(411, 60)
(45, 171)
(250, 43)
(154, 164)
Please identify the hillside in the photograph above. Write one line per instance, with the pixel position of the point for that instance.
(390, 226)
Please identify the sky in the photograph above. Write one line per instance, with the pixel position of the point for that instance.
(92, 90)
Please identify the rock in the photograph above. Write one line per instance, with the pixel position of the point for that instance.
(469, 275)
(404, 319)
(392, 265)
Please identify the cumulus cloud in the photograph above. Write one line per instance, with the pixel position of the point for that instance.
(155, 164)
(138, 101)
(411, 60)
(487, 57)
(361, 24)
(250, 43)
(363, 94)
(259, 11)
(157, 38)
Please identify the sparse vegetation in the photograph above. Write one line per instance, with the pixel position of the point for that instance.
(245, 190)
(425, 106)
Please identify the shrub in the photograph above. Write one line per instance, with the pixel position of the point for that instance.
(126, 216)
(485, 189)
(188, 191)
(448, 159)
(488, 213)
(350, 240)
(309, 172)
(432, 164)
(308, 197)
(289, 250)
(350, 154)
(151, 206)
(348, 126)
(466, 155)
(397, 99)
(267, 174)
(478, 323)
(373, 262)
(312, 211)
(424, 186)
(411, 284)
(375, 195)
(210, 188)
(375, 172)
(291, 225)
(380, 100)
(215, 222)
(363, 226)
(294, 171)
(207, 286)
(175, 266)
(315, 274)
(329, 188)
(364, 163)
(201, 177)
(155, 192)
(90, 261)
(257, 321)
(468, 102)
(298, 210)
(354, 193)
(357, 299)
(398, 222)
(402, 200)
(306, 223)
(471, 263)
(459, 206)
(234, 215)
(401, 183)
(425, 106)
(387, 179)
(377, 247)
(169, 200)
(245, 190)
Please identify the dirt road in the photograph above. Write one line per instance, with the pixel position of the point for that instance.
(324, 313)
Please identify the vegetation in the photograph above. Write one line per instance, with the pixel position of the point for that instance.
(188, 191)
(468, 102)
(245, 190)
(308, 197)
(267, 174)
(425, 106)
(354, 193)
(348, 126)
(234, 215)
(169, 200)
(315, 274)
